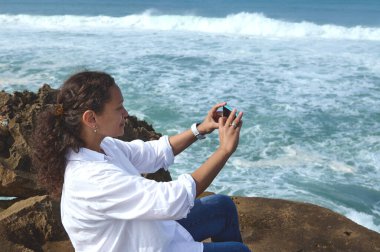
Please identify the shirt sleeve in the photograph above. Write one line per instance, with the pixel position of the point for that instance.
(148, 156)
(115, 194)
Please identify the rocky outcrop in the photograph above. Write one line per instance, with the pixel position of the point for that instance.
(31, 222)
(15, 127)
(266, 224)
(271, 225)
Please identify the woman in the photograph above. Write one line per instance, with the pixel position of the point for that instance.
(106, 205)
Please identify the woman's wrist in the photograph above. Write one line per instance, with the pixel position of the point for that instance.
(224, 152)
(202, 130)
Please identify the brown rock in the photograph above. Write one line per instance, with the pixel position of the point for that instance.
(15, 166)
(58, 246)
(31, 223)
(137, 129)
(279, 225)
(266, 225)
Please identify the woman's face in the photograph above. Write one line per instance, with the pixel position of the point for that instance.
(111, 121)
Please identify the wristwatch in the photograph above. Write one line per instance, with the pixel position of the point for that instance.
(196, 132)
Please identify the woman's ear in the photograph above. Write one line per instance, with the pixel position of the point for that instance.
(88, 118)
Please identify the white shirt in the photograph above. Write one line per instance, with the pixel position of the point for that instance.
(108, 206)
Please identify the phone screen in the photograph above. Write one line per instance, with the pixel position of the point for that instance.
(227, 111)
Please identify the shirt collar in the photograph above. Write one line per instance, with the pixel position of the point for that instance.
(85, 154)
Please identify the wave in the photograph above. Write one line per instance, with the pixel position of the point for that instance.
(243, 24)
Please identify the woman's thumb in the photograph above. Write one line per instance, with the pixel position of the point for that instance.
(222, 121)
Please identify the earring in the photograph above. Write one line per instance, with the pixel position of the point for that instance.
(95, 129)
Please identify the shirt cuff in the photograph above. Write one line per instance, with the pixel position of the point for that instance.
(169, 156)
(190, 186)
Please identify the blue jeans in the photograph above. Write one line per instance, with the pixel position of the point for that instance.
(215, 217)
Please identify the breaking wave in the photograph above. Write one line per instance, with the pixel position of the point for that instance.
(241, 24)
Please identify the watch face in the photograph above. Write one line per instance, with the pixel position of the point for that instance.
(201, 136)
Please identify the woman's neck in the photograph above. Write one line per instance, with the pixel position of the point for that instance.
(92, 141)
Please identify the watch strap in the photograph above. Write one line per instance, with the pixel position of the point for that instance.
(196, 132)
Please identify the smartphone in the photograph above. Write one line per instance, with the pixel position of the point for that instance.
(227, 111)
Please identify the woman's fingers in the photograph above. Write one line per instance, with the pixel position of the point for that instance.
(222, 121)
(214, 110)
(214, 117)
(231, 117)
(239, 126)
(229, 129)
(238, 120)
(219, 105)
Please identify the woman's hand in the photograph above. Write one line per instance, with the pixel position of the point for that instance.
(210, 123)
(229, 132)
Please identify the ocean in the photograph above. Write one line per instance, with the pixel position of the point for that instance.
(305, 73)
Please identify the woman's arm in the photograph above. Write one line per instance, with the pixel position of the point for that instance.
(183, 140)
(229, 131)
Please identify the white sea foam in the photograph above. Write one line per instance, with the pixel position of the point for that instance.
(246, 24)
(363, 219)
(295, 157)
(341, 167)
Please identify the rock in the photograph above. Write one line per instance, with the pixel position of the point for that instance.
(33, 225)
(270, 225)
(58, 246)
(29, 224)
(136, 129)
(16, 176)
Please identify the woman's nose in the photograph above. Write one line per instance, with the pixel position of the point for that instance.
(125, 115)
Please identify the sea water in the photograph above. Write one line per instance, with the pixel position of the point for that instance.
(306, 74)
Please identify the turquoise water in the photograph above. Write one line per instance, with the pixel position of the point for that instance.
(306, 75)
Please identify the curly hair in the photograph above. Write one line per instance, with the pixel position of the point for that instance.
(59, 127)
